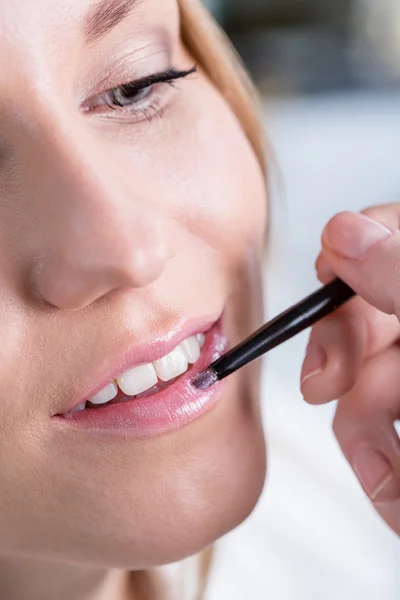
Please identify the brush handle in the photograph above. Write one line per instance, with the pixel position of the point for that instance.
(288, 324)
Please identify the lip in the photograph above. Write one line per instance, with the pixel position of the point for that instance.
(166, 410)
(133, 355)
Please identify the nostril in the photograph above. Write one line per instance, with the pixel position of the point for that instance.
(62, 289)
(35, 283)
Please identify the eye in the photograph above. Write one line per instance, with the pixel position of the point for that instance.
(134, 93)
(124, 95)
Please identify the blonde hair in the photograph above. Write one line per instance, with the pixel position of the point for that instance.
(213, 52)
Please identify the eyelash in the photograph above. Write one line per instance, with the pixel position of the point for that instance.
(112, 98)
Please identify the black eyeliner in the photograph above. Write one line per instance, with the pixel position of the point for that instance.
(164, 77)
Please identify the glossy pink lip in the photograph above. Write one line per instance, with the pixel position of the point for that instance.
(134, 355)
(169, 409)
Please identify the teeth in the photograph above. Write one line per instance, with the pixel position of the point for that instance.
(105, 395)
(191, 349)
(172, 365)
(137, 380)
(201, 338)
(78, 408)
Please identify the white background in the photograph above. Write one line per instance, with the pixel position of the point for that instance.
(314, 536)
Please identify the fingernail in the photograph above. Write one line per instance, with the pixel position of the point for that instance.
(314, 362)
(376, 475)
(354, 235)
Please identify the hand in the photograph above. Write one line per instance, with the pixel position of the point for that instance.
(354, 354)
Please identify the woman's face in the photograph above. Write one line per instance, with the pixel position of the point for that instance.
(131, 220)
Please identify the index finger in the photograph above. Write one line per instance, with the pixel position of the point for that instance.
(342, 343)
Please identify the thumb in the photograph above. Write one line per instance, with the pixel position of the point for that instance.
(364, 251)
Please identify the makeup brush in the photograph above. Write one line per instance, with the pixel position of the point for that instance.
(285, 326)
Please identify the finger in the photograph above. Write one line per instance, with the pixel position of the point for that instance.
(339, 346)
(364, 251)
(364, 427)
(325, 272)
(387, 215)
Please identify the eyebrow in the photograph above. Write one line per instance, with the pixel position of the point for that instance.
(104, 16)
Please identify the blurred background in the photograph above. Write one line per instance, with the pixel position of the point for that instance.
(293, 46)
(329, 73)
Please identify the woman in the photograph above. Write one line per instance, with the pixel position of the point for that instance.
(133, 221)
(133, 218)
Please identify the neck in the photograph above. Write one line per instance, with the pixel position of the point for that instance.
(26, 579)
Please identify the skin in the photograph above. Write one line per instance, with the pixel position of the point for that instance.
(354, 354)
(114, 228)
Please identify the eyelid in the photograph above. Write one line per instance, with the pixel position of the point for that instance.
(131, 59)
(142, 82)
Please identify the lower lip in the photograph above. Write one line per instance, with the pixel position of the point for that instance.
(168, 410)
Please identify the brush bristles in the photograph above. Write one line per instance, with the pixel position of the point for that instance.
(205, 379)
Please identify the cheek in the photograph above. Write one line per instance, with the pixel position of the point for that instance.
(226, 193)
(229, 208)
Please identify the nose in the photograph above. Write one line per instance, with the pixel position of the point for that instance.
(93, 234)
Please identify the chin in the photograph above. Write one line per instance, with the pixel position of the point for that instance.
(213, 485)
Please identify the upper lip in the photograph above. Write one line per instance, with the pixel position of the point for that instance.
(134, 354)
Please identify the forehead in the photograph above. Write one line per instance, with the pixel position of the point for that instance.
(30, 24)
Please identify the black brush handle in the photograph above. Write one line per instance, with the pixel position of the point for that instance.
(285, 326)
